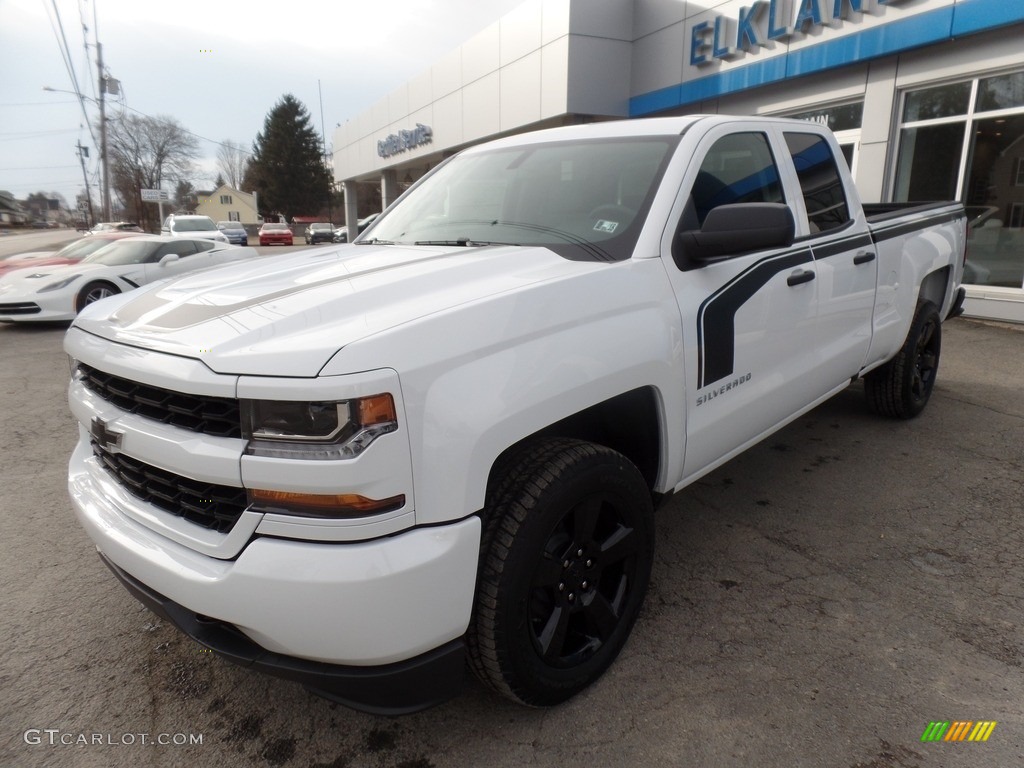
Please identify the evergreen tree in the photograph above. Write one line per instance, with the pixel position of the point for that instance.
(219, 182)
(185, 197)
(287, 166)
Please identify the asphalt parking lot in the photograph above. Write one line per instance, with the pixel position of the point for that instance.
(816, 602)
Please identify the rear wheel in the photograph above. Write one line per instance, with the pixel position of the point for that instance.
(565, 562)
(94, 292)
(901, 388)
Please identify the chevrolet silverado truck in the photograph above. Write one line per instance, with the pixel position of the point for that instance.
(360, 467)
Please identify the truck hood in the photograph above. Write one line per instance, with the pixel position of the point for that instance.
(288, 316)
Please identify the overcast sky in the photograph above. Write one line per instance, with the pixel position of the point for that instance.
(216, 66)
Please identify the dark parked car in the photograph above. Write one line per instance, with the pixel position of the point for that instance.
(319, 233)
(234, 232)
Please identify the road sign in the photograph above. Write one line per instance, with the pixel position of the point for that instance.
(155, 195)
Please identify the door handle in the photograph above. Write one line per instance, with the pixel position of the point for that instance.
(800, 277)
(864, 257)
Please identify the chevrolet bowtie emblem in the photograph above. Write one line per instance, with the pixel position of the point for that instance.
(107, 439)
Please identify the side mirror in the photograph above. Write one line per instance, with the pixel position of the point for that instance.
(730, 230)
(168, 259)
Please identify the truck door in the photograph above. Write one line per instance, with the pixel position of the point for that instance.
(844, 258)
(749, 319)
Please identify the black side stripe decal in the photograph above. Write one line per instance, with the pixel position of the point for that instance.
(903, 229)
(716, 317)
(837, 247)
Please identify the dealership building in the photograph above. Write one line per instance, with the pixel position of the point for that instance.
(926, 97)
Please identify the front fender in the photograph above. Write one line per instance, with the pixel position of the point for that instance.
(481, 377)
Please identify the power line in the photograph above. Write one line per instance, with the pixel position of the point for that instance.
(35, 103)
(186, 130)
(38, 168)
(65, 52)
(85, 45)
(31, 134)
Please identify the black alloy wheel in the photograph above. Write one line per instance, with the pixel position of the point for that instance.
(565, 563)
(902, 387)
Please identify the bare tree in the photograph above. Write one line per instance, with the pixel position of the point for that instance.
(231, 161)
(143, 152)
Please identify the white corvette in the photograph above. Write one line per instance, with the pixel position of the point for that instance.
(60, 292)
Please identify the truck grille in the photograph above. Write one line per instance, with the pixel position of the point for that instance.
(217, 416)
(216, 507)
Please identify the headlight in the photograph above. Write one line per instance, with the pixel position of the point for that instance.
(58, 285)
(316, 430)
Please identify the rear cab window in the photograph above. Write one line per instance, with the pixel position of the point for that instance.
(820, 182)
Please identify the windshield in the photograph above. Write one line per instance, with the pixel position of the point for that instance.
(194, 225)
(320, 227)
(81, 248)
(230, 225)
(130, 251)
(275, 227)
(583, 199)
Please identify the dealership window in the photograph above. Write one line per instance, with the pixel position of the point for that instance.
(844, 120)
(965, 141)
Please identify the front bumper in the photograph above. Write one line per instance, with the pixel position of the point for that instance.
(391, 606)
(393, 689)
(38, 307)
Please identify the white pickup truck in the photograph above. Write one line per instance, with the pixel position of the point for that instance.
(359, 467)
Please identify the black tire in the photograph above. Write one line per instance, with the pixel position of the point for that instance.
(94, 292)
(565, 561)
(901, 388)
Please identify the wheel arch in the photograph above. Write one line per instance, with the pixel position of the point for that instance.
(935, 288)
(629, 423)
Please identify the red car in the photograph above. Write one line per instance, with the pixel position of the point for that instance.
(69, 254)
(276, 233)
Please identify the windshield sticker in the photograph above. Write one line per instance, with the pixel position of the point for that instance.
(603, 225)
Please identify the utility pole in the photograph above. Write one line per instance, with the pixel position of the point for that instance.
(103, 132)
(83, 153)
(323, 140)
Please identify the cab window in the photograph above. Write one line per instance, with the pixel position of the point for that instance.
(739, 168)
(820, 182)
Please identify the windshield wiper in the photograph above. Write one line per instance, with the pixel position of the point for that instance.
(465, 242)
